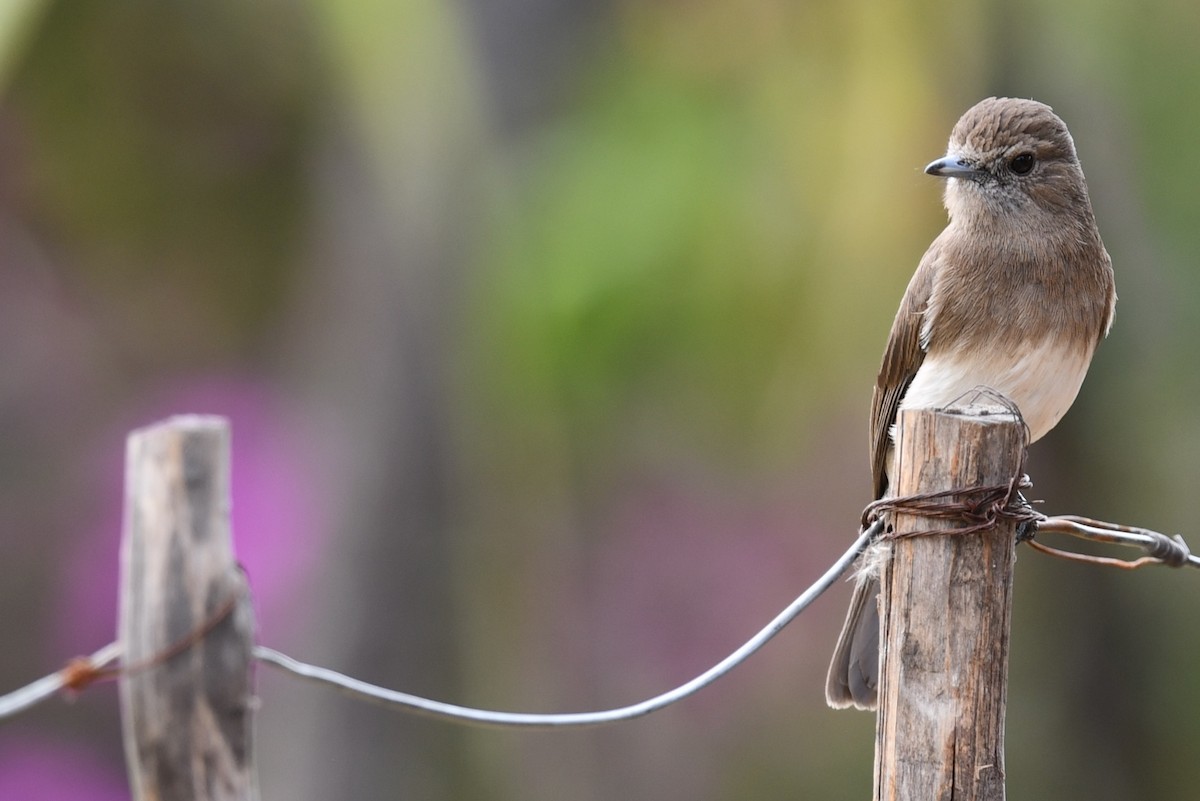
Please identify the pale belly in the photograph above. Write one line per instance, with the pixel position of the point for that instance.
(1041, 380)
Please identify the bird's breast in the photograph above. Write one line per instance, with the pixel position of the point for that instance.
(1041, 378)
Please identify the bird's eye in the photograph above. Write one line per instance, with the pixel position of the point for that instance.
(1021, 163)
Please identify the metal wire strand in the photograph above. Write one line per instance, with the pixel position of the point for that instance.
(1159, 548)
(34, 693)
(453, 712)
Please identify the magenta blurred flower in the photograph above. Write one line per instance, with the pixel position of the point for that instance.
(43, 771)
(686, 574)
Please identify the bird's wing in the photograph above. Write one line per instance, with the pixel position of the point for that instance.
(901, 359)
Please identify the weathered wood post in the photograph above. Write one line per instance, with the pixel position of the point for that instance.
(185, 706)
(946, 609)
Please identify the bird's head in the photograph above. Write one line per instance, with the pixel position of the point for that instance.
(1007, 156)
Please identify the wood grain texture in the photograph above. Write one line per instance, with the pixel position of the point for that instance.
(946, 606)
(186, 721)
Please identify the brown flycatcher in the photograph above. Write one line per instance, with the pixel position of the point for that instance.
(1012, 296)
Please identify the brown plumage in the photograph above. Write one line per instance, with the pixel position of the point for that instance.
(1013, 295)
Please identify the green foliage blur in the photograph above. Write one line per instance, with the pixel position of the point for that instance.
(576, 307)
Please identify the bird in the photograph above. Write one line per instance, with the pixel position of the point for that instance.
(1013, 297)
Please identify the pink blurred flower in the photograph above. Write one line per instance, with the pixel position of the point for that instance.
(44, 771)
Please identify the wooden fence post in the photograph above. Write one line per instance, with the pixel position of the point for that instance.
(945, 614)
(185, 706)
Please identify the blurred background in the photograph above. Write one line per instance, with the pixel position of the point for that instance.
(547, 329)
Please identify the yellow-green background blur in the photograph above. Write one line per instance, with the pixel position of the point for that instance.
(547, 329)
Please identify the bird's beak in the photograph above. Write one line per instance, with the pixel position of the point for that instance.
(954, 167)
